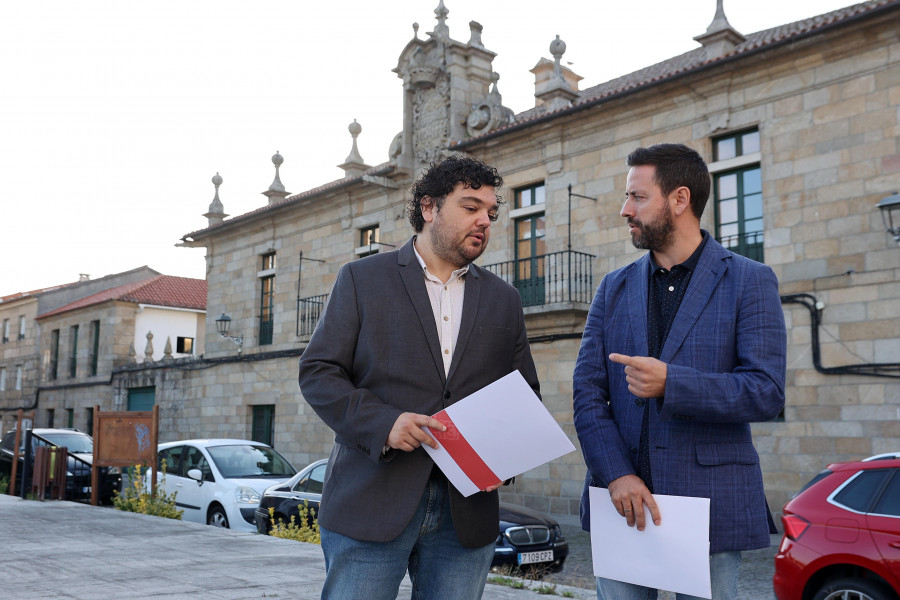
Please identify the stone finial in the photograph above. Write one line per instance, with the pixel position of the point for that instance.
(415, 31)
(354, 163)
(148, 349)
(557, 49)
(132, 355)
(491, 113)
(216, 213)
(720, 37)
(167, 352)
(276, 191)
(441, 31)
(475, 29)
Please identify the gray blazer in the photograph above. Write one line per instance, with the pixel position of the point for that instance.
(374, 355)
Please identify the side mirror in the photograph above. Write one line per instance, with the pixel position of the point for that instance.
(195, 474)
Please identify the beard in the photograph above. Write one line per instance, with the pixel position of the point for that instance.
(445, 244)
(655, 235)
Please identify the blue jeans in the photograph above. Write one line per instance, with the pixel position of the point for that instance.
(439, 567)
(723, 574)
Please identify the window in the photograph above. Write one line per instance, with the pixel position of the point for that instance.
(142, 398)
(312, 483)
(889, 504)
(18, 378)
(21, 327)
(5, 330)
(51, 414)
(70, 418)
(90, 420)
(184, 345)
(54, 355)
(369, 241)
(860, 491)
(95, 346)
(264, 424)
(169, 460)
(267, 299)
(530, 248)
(2, 379)
(737, 189)
(73, 358)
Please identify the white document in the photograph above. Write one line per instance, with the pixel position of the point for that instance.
(501, 431)
(673, 556)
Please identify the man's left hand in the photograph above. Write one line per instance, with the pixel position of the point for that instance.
(646, 376)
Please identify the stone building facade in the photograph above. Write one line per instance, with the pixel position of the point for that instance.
(800, 125)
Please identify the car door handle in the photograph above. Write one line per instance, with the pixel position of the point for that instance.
(894, 545)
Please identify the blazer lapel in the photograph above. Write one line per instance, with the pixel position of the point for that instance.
(704, 280)
(637, 304)
(413, 281)
(471, 302)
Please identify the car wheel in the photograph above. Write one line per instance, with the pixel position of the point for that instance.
(853, 588)
(217, 517)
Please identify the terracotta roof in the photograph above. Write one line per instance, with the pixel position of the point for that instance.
(162, 290)
(691, 61)
(20, 295)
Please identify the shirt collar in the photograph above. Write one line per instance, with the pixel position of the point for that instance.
(458, 273)
(691, 263)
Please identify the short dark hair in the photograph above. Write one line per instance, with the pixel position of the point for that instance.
(676, 166)
(442, 176)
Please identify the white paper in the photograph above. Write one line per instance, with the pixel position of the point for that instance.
(673, 556)
(508, 426)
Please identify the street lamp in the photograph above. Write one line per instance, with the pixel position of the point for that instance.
(223, 324)
(890, 214)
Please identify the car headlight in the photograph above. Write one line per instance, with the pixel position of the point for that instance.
(114, 470)
(246, 495)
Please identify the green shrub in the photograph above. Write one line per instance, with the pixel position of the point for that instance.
(307, 531)
(136, 498)
(4, 484)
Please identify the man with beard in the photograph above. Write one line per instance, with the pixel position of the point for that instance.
(682, 350)
(404, 335)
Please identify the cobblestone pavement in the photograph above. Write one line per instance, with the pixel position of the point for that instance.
(754, 579)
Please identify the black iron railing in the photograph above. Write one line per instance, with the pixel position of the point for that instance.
(745, 244)
(308, 312)
(565, 276)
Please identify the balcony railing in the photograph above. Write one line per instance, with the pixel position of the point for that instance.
(308, 312)
(565, 276)
(745, 244)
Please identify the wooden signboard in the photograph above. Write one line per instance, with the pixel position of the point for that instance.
(124, 439)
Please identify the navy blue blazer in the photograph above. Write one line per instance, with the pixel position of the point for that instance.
(726, 356)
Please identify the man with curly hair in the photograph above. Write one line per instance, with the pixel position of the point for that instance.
(404, 335)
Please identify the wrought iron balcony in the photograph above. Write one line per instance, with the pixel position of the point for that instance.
(746, 244)
(565, 276)
(308, 312)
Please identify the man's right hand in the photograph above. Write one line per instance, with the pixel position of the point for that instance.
(407, 433)
(629, 495)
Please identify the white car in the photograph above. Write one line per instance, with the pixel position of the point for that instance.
(219, 482)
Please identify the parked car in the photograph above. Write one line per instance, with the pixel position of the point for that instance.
(525, 536)
(78, 469)
(842, 534)
(219, 482)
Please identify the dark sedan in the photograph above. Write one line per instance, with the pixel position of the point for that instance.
(526, 537)
(81, 453)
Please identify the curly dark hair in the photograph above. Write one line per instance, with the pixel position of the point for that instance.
(442, 176)
(676, 166)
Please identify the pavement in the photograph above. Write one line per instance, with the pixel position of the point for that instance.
(70, 551)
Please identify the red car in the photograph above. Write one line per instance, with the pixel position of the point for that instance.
(842, 534)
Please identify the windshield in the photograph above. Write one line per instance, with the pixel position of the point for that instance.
(76, 443)
(241, 461)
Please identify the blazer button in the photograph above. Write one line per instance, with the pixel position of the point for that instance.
(447, 395)
(633, 450)
(639, 402)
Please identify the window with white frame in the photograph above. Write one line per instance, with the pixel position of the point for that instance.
(737, 193)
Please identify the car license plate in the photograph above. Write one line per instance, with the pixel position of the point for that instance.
(526, 558)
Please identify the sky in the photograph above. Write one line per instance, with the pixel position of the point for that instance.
(116, 114)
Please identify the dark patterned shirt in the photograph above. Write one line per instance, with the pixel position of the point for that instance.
(666, 291)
